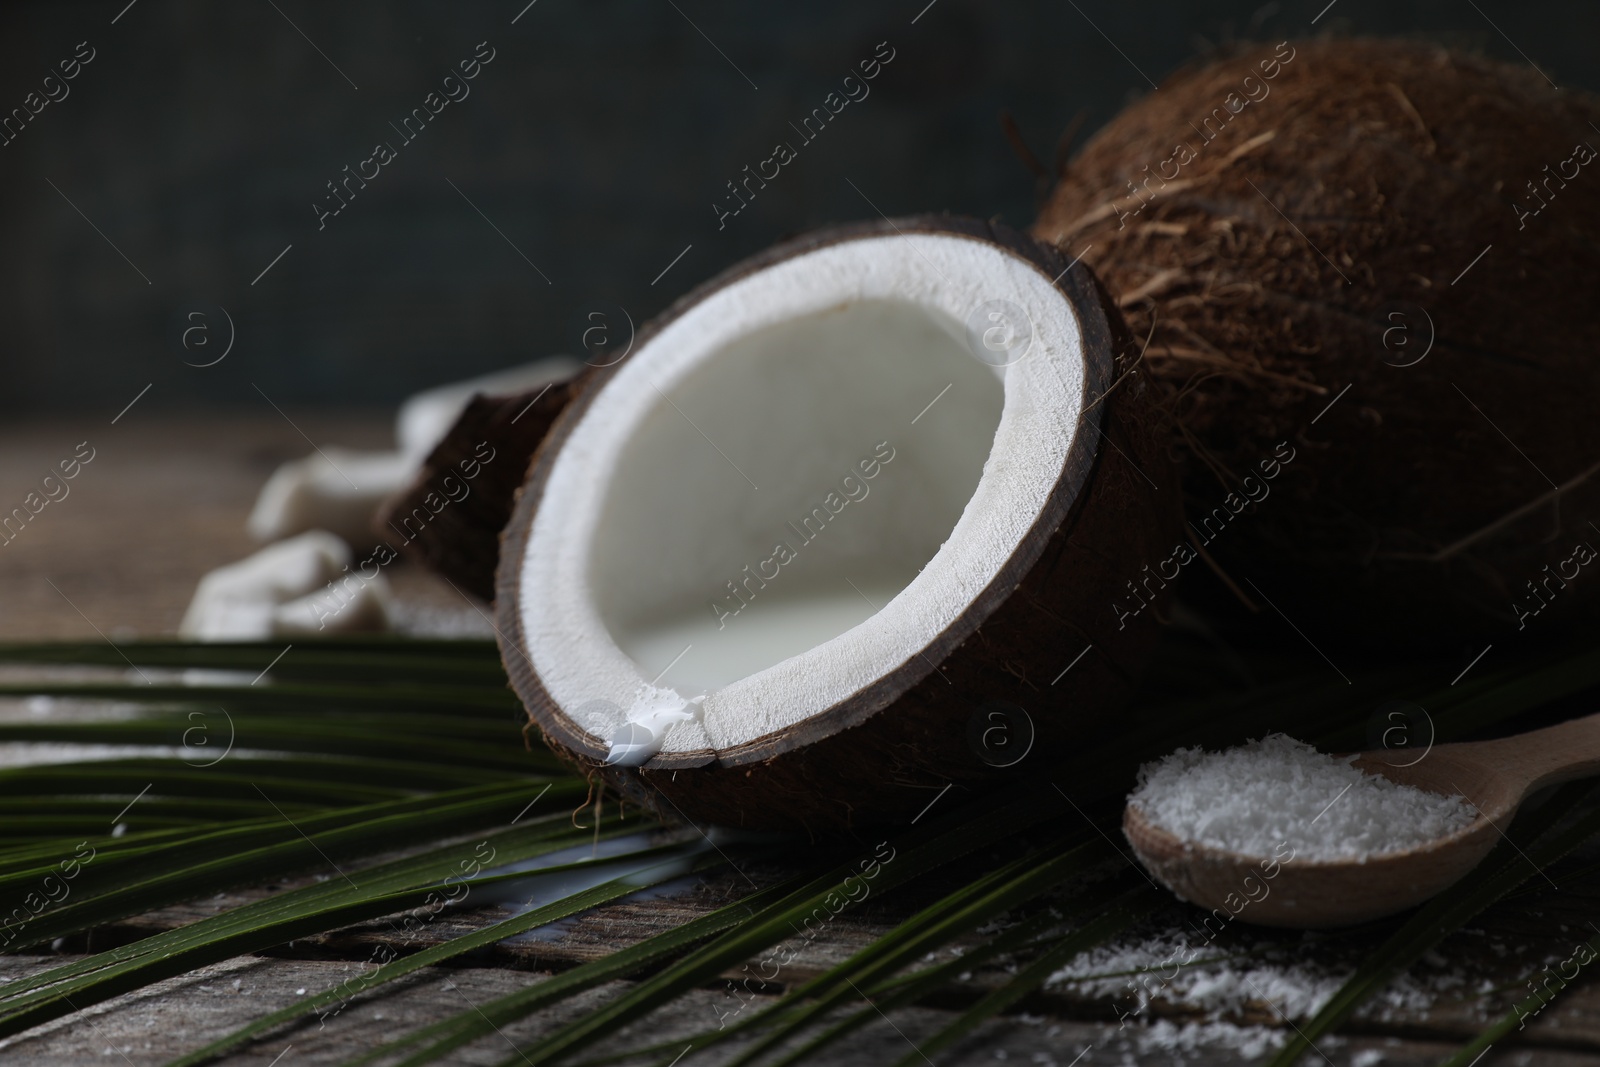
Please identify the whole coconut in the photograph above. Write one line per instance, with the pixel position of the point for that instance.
(1380, 258)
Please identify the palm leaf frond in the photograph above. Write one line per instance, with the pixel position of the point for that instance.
(383, 765)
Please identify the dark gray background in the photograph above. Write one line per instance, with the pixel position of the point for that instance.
(202, 133)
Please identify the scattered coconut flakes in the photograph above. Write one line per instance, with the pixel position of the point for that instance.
(1135, 972)
(1137, 969)
(1277, 790)
(1179, 1038)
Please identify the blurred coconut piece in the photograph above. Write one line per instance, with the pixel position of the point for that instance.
(478, 468)
(352, 604)
(333, 489)
(339, 489)
(301, 585)
(427, 417)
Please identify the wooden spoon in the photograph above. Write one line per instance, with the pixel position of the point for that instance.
(1495, 776)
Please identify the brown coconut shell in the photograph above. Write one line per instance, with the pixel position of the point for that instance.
(1371, 199)
(460, 539)
(884, 754)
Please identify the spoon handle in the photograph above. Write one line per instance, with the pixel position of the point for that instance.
(1562, 753)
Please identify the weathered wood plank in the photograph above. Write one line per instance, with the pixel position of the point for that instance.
(1473, 977)
(160, 504)
(150, 1027)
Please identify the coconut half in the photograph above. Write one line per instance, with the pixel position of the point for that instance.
(835, 504)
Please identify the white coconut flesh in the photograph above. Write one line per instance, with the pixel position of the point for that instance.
(793, 488)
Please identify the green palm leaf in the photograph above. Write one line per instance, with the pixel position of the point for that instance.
(350, 752)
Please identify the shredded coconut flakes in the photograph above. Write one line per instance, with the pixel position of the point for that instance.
(1277, 790)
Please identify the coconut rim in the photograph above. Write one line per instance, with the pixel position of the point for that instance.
(1086, 306)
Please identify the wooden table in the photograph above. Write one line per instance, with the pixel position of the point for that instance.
(164, 500)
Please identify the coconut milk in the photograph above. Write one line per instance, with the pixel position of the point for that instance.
(691, 653)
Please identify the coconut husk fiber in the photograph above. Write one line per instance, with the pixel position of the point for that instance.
(1303, 218)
